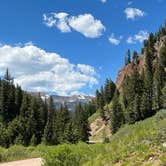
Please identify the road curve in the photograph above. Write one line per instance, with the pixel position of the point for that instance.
(28, 162)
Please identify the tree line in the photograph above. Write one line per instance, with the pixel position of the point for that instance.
(29, 120)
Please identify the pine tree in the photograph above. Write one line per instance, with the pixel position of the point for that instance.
(18, 98)
(63, 119)
(109, 89)
(132, 92)
(117, 118)
(148, 81)
(162, 63)
(36, 121)
(50, 137)
(81, 126)
(135, 57)
(100, 101)
(7, 99)
(164, 96)
(157, 86)
(25, 119)
(128, 57)
(90, 108)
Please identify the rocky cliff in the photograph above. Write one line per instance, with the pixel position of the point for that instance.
(128, 69)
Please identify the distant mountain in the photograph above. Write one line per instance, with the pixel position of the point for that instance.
(70, 101)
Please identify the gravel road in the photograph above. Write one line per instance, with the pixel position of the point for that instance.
(29, 162)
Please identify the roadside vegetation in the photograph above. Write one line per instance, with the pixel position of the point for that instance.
(142, 143)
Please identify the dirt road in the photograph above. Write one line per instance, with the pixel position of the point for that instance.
(29, 162)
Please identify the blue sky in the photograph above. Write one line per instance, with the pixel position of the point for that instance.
(88, 40)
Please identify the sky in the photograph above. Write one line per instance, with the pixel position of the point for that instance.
(68, 47)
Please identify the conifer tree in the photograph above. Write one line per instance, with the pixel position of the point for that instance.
(18, 98)
(36, 121)
(63, 119)
(128, 57)
(25, 120)
(157, 86)
(81, 124)
(164, 96)
(135, 57)
(109, 89)
(100, 101)
(162, 63)
(7, 99)
(49, 136)
(148, 81)
(117, 118)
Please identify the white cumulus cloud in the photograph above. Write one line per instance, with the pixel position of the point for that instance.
(85, 24)
(132, 13)
(59, 20)
(38, 70)
(113, 40)
(139, 37)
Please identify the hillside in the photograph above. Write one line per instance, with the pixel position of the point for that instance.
(100, 129)
(128, 69)
(143, 143)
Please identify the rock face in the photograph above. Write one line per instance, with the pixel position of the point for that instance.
(128, 69)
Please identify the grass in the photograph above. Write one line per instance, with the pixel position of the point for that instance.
(132, 145)
(94, 117)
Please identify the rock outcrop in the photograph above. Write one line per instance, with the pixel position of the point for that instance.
(128, 69)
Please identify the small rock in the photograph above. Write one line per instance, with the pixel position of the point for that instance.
(146, 142)
(151, 158)
(164, 144)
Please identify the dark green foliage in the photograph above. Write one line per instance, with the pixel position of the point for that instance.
(148, 80)
(109, 90)
(162, 64)
(63, 119)
(18, 98)
(128, 57)
(81, 125)
(157, 87)
(164, 96)
(90, 108)
(7, 99)
(100, 101)
(49, 136)
(135, 57)
(104, 96)
(132, 91)
(117, 118)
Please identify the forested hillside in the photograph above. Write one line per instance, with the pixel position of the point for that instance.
(29, 120)
(140, 89)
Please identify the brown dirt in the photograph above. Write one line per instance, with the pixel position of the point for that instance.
(98, 128)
